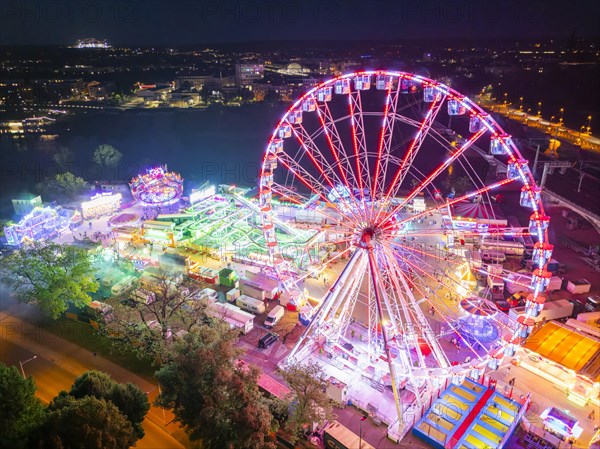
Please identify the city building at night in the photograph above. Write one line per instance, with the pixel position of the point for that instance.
(248, 73)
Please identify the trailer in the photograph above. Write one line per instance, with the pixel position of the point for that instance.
(232, 315)
(250, 304)
(494, 256)
(260, 286)
(583, 327)
(509, 248)
(207, 293)
(337, 436)
(204, 274)
(579, 286)
(127, 283)
(143, 295)
(476, 262)
(253, 289)
(553, 310)
(232, 295)
(555, 284)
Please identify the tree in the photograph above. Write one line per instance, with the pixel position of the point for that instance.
(309, 384)
(50, 275)
(107, 156)
(21, 412)
(86, 423)
(128, 398)
(169, 309)
(62, 185)
(62, 157)
(217, 402)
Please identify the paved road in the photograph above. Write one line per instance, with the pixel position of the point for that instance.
(59, 362)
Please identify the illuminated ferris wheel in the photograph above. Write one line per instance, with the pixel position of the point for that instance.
(387, 168)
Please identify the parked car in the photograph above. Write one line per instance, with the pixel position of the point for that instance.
(592, 303)
(503, 306)
(267, 340)
(517, 300)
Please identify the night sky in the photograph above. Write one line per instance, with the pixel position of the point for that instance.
(152, 22)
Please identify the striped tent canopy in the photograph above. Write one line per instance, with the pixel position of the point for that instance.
(477, 211)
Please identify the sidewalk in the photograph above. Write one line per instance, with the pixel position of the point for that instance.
(75, 359)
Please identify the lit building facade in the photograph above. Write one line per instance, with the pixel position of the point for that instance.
(101, 204)
(246, 74)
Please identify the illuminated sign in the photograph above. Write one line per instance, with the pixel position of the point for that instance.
(101, 203)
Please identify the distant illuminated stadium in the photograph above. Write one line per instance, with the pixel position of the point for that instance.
(158, 187)
(92, 43)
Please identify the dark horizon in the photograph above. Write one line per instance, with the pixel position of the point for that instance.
(230, 22)
(321, 42)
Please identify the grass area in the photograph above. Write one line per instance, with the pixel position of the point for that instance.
(88, 338)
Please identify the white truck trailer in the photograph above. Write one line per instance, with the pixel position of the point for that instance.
(553, 310)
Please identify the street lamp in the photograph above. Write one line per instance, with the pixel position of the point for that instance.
(21, 363)
(539, 113)
(561, 116)
(362, 418)
(520, 103)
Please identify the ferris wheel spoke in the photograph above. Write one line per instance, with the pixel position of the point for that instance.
(450, 203)
(387, 135)
(320, 162)
(454, 285)
(418, 189)
(382, 135)
(337, 144)
(415, 145)
(358, 140)
(400, 301)
(289, 195)
(309, 181)
(427, 333)
(308, 143)
(333, 140)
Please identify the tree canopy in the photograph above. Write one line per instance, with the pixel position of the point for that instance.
(21, 412)
(62, 185)
(86, 423)
(50, 275)
(217, 402)
(309, 385)
(128, 398)
(107, 156)
(149, 325)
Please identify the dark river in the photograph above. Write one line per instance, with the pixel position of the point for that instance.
(219, 144)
